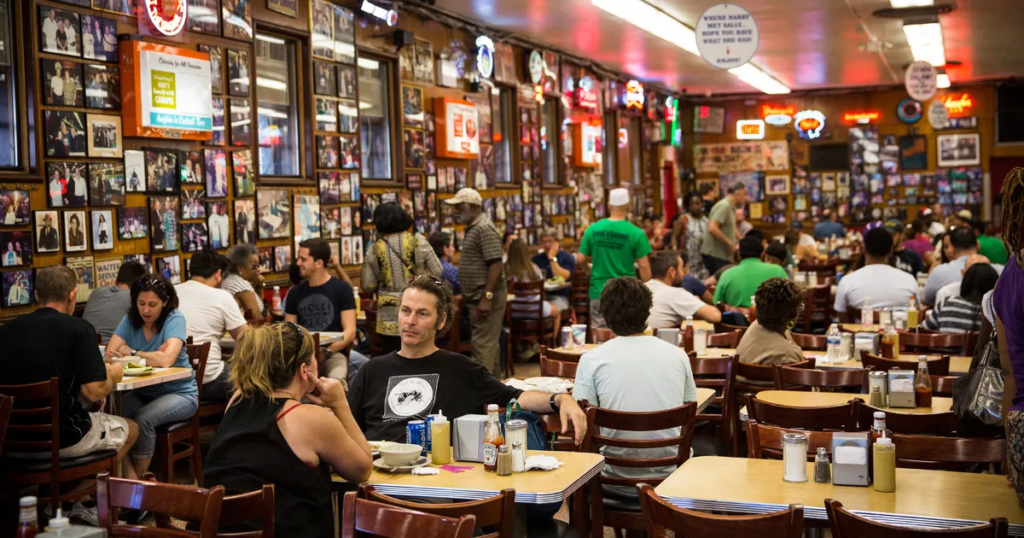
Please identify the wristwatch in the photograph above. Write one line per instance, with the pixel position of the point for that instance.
(489, 296)
(554, 259)
(553, 403)
(134, 352)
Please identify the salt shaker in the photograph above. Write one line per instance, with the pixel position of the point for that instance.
(794, 456)
(822, 473)
(518, 458)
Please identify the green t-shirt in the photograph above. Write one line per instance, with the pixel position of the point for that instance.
(613, 246)
(740, 283)
(993, 249)
(725, 214)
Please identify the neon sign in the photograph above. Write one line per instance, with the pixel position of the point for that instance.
(750, 130)
(862, 117)
(389, 16)
(586, 94)
(538, 93)
(777, 114)
(167, 16)
(809, 123)
(634, 95)
(670, 108)
(485, 56)
(958, 106)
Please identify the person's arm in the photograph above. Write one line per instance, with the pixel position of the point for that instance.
(165, 356)
(720, 291)
(707, 297)
(247, 300)
(291, 318)
(339, 271)
(556, 269)
(931, 322)
(348, 327)
(116, 348)
(236, 333)
(338, 440)
(708, 313)
(644, 267)
(568, 410)
(493, 276)
(716, 231)
(97, 390)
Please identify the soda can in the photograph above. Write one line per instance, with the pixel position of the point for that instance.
(430, 435)
(568, 342)
(416, 434)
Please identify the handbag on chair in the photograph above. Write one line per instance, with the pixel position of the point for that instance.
(978, 396)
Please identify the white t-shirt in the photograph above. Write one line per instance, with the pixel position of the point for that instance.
(949, 290)
(886, 286)
(50, 33)
(671, 305)
(807, 240)
(209, 312)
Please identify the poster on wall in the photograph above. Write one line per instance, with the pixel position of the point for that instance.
(753, 181)
(742, 156)
(166, 91)
(959, 149)
(709, 119)
(587, 143)
(458, 132)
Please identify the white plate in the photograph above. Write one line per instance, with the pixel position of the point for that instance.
(422, 461)
(550, 384)
(133, 372)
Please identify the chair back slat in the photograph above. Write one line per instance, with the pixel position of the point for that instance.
(765, 442)
(947, 453)
(789, 378)
(376, 519)
(936, 366)
(915, 342)
(553, 368)
(497, 511)
(830, 418)
(939, 424)
(729, 339)
(662, 516)
(34, 422)
(719, 374)
(942, 385)
(529, 299)
(846, 524)
(198, 354)
(600, 336)
(556, 355)
(682, 417)
(817, 342)
(184, 502)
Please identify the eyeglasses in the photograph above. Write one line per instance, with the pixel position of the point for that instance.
(422, 279)
(152, 283)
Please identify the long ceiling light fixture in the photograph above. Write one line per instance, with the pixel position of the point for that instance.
(657, 22)
(925, 40)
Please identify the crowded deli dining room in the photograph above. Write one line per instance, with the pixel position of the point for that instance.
(363, 267)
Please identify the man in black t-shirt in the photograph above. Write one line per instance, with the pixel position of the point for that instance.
(903, 258)
(324, 303)
(421, 379)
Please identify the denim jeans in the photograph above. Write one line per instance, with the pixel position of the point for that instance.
(149, 412)
(220, 388)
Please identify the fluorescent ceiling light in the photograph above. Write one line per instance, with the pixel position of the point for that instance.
(269, 83)
(942, 81)
(926, 42)
(657, 22)
(271, 113)
(910, 3)
(367, 63)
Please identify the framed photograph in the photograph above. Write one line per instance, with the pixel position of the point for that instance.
(414, 181)
(321, 14)
(324, 81)
(959, 150)
(102, 87)
(161, 171)
(357, 251)
(266, 260)
(412, 106)
(18, 288)
(220, 224)
(245, 221)
(170, 266)
(346, 251)
(47, 229)
(307, 217)
(122, 7)
(163, 223)
(344, 222)
(330, 189)
(65, 133)
(102, 229)
(776, 185)
(238, 72)
(193, 204)
(326, 115)
(282, 258)
(237, 16)
(145, 259)
(59, 30)
(104, 135)
(74, 231)
(423, 62)
(67, 184)
(204, 16)
(99, 38)
(415, 152)
(216, 64)
(284, 7)
(216, 173)
(347, 81)
(327, 151)
(353, 179)
(330, 222)
(348, 116)
(191, 166)
(274, 213)
(15, 208)
(194, 237)
(135, 170)
(753, 181)
(16, 247)
(218, 137)
(106, 272)
(62, 83)
(241, 122)
(344, 35)
(357, 219)
(131, 223)
(106, 183)
(242, 172)
(349, 152)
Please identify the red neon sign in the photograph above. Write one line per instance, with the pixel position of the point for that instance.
(634, 95)
(958, 106)
(167, 16)
(777, 110)
(809, 124)
(862, 117)
(586, 98)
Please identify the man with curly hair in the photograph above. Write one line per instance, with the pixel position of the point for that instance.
(768, 340)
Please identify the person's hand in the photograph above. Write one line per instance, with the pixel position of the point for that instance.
(484, 307)
(115, 372)
(734, 247)
(553, 251)
(117, 353)
(332, 393)
(570, 413)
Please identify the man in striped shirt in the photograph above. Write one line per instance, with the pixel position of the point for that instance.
(962, 313)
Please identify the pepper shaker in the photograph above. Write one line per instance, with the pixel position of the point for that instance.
(822, 473)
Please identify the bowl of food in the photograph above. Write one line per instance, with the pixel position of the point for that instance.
(399, 454)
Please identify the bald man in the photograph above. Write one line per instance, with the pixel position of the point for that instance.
(953, 288)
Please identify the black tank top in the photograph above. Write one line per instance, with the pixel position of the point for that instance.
(249, 451)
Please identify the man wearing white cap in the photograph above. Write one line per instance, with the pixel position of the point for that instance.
(612, 245)
(722, 240)
(481, 275)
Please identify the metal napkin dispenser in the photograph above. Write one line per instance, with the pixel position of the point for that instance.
(901, 389)
(469, 438)
(850, 459)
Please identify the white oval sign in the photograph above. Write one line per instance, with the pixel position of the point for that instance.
(535, 66)
(727, 36)
(938, 115)
(920, 80)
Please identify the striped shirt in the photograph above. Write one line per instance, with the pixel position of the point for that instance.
(481, 247)
(955, 315)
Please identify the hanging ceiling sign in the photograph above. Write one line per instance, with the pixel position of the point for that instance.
(165, 91)
(389, 16)
(535, 66)
(587, 143)
(909, 110)
(921, 80)
(634, 95)
(458, 129)
(958, 107)
(778, 115)
(586, 94)
(671, 106)
(809, 123)
(727, 36)
(485, 56)
(938, 116)
(750, 130)
(862, 117)
(167, 16)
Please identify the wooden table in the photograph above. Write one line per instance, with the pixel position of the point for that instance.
(158, 377)
(796, 398)
(533, 487)
(958, 365)
(927, 499)
(858, 328)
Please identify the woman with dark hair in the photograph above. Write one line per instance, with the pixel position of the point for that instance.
(768, 340)
(395, 259)
(691, 234)
(959, 314)
(153, 334)
(244, 279)
(519, 268)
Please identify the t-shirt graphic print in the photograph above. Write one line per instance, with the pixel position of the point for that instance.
(316, 312)
(410, 396)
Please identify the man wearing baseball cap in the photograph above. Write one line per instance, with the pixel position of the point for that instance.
(612, 245)
(902, 257)
(482, 277)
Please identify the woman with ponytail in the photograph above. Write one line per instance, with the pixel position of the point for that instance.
(269, 435)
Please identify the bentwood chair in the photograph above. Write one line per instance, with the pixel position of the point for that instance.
(754, 378)
(728, 340)
(600, 336)
(34, 426)
(846, 524)
(452, 341)
(947, 453)
(942, 385)
(789, 378)
(765, 442)
(254, 505)
(817, 308)
(579, 297)
(361, 517)
(662, 516)
(938, 424)
(494, 513)
(828, 418)
(936, 366)
(553, 368)
(183, 502)
(719, 374)
(555, 355)
(529, 324)
(180, 440)
(815, 342)
(622, 511)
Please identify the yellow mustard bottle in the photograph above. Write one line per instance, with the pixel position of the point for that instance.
(884, 457)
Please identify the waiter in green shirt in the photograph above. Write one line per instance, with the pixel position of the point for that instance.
(612, 245)
(721, 240)
(739, 283)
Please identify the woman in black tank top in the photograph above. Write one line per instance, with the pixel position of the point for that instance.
(268, 437)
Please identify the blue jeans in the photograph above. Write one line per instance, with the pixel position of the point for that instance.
(149, 412)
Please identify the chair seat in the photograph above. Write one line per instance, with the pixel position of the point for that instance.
(31, 465)
(173, 427)
(617, 503)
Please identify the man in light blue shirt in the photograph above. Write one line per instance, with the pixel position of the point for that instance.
(634, 373)
(830, 226)
(964, 244)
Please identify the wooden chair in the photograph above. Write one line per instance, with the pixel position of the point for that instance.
(824, 269)
(939, 366)
(789, 378)
(947, 453)
(720, 375)
(579, 296)
(186, 432)
(918, 342)
(846, 524)
(452, 340)
(765, 442)
(183, 502)
(34, 426)
(370, 309)
(6, 403)
(942, 385)
(749, 313)
(829, 418)
(938, 424)
(621, 512)
(236, 509)
(817, 307)
(555, 355)
(662, 516)
(532, 326)
(497, 513)
(721, 328)
(728, 340)
(748, 376)
(361, 517)
(600, 336)
(817, 342)
(553, 368)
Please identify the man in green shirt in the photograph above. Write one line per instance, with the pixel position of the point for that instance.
(739, 284)
(721, 240)
(612, 245)
(990, 247)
